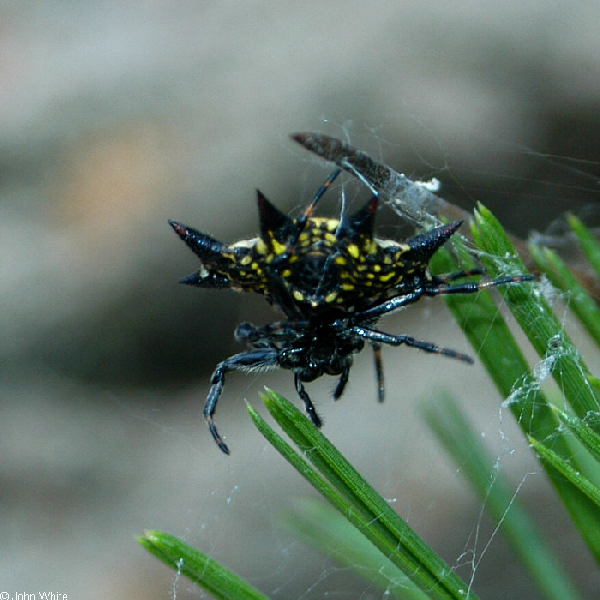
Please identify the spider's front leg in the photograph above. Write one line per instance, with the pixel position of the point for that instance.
(259, 358)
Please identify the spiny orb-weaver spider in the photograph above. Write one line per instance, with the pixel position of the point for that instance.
(333, 280)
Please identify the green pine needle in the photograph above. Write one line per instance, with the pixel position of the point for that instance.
(198, 567)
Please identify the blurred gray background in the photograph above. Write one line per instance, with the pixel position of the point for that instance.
(115, 116)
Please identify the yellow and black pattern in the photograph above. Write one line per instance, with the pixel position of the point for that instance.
(316, 264)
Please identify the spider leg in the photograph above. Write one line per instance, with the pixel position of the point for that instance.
(341, 384)
(396, 340)
(303, 220)
(318, 194)
(386, 307)
(274, 332)
(379, 371)
(436, 287)
(310, 409)
(246, 361)
(469, 287)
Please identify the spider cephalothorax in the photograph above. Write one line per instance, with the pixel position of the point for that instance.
(333, 279)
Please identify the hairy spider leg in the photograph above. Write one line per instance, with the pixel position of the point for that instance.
(375, 312)
(341, 384)
(259, 358)
(274, 332)
(308, 213)
(434, 288)
(310, 409)
(303, 220)
(397, 340)
(469, 287)
(379, 370)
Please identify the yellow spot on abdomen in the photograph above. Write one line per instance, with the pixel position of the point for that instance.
(277, 247)
(353, 250)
